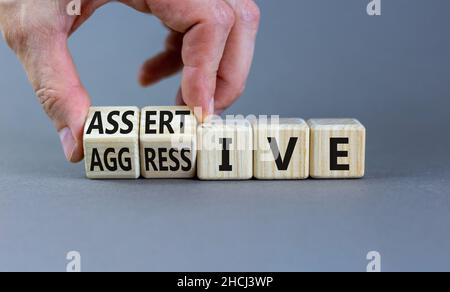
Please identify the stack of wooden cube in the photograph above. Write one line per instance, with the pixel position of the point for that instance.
(167, 142)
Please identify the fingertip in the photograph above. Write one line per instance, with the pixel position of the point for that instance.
(179, 98)
(72, 135)
(218, 112)
(199, 112)
(145, 78)
(77, 154)
(69, 145)
(198, 87)
(204, 112)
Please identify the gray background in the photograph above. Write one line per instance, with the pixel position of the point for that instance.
(314, 58)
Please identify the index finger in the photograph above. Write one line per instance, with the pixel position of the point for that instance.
(207, 25)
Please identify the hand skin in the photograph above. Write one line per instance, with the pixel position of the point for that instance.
(210, 41)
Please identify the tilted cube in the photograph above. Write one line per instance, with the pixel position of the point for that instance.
(168, 142)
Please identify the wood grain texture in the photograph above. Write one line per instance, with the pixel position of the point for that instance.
(337, 148)
(168, 142)
(281, 149)
(216, 164)
(111, 143)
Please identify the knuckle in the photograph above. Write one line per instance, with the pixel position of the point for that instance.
(48, 98)
(223, 15)
(16, 38)
(250, 12)
(21, 34)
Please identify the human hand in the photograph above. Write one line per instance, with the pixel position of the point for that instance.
(211, 41)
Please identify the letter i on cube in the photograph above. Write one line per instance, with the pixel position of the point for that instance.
(225, 150)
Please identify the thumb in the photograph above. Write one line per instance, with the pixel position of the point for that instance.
(58, 88)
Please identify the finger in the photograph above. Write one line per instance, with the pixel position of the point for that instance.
(206, 24)
(179, 99)
(237, 59)
(88, 7)
(54, 77)
(165, 63)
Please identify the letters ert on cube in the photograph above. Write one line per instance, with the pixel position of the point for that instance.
(167, 142)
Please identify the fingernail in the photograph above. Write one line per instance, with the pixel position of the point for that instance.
(208, 111)
(68, 142)
(198, 112)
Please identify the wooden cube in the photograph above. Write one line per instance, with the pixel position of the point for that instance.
(168, 142)
(337, 148)
(225, 150)
(111, 143)
(281, 149)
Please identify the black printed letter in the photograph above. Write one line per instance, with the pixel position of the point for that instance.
(282, 164)
(225, 166)
(96, 161)
(334, 154)
(96, 123)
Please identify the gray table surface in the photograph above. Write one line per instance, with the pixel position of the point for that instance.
(313, 60)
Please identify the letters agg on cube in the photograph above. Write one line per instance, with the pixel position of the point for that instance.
(168, 142)
(111, 143)
(281, 149)
(337, 148)
(225, 150)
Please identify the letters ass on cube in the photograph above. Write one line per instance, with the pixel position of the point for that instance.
(167, 142)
